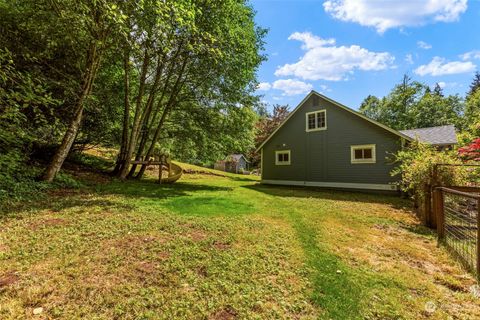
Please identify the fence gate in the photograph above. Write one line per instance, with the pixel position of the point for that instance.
(458, 225)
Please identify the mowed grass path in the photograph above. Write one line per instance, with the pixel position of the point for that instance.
(211, 247)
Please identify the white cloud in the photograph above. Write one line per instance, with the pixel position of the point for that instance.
(439, 67)
(387, 14)
(324, 60)
(325, 88)
(409, 58)
(264, 86)
(475, 54)
(424, 45)
(291, 87)
(444, 84)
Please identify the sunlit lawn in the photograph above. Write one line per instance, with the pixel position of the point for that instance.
(211, 247)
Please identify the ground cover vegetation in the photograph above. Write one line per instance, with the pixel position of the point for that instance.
(221, 246)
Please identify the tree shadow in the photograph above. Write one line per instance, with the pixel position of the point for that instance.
(418, 229)
(56, 203)
(57, 200)
(150, 189)
(391, 199)
(246, 179)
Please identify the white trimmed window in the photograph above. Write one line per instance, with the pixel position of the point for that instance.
(316, 120)
(363, 153)
(282, 158)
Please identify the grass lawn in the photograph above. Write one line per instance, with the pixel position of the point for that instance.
(223, 247)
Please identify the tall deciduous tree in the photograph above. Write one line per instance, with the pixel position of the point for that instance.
(189, 52)
(412, 104)
(96, 22)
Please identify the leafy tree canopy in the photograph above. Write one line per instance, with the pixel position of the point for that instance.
(412, 104)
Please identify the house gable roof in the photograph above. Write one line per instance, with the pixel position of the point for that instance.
(436, 136)
(313, 92)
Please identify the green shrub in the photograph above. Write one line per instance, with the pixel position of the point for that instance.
(416, 166)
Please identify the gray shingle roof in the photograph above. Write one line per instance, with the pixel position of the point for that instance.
(238, 156)
(436, 136)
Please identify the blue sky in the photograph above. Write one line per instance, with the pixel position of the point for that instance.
(348, 49)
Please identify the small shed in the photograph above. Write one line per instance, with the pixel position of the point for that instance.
(234, 163)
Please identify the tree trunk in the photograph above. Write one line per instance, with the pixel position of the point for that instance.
(176, 88)
(145, 118)
(126, 114)
(154, 140)
(138, 156)
(61, 154)
(136, 121)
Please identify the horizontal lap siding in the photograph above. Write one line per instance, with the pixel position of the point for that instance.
(287, 135)
(325, 155)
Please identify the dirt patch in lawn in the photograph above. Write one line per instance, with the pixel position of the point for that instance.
(8, 279)
(225, 314)
(197, 235)
(49, 222)
(221, 246)
(62, 193)
(136, 241)
(164, 255)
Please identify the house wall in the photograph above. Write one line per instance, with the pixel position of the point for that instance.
(242, 164)
(219, 165)
(325, 156)
(235, 166)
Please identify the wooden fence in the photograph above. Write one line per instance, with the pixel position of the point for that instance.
(425, 208)
(458, 224)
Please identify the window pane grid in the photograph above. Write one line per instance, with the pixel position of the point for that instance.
(358, 154)
(367, 153)
(363, 154)
(316, 120)
(311, 121)
(320, 119)
(282, 157)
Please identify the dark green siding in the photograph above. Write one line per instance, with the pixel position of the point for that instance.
(324, 156)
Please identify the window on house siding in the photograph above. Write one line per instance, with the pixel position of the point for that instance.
(282, 157)
(363, 153)
(316, 120)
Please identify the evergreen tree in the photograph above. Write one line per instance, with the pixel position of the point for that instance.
(475, 84)
(438, 90)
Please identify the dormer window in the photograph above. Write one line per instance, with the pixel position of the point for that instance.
(316, 120)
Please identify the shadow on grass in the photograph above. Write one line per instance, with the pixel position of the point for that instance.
(60, 199)
(56, 203)
(246, 179)
(418, 229)
(151, 189)
(332, 194)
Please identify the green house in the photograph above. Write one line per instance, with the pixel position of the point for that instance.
(323, 143)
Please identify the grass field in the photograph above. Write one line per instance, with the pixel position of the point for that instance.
(223, 247)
